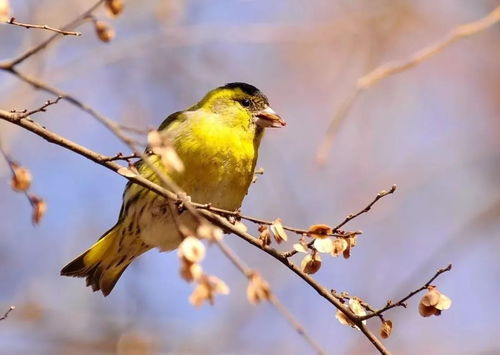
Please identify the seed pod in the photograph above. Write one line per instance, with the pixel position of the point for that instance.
(104, 31)
(115, 7)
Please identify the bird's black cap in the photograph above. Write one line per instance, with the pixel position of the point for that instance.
(246, 88)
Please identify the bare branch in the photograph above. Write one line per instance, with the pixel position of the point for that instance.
(121, 156)
(81, 18)
(6, 314)
(401, 302)
(367, 208)
(396, 67)
(272, 299)
(42, 108)
(13, 21)
(350, 217)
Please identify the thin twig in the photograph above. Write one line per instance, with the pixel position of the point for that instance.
(81, 18)
(121, 156)
(6, 314)
(13, 21)
(395, 67)
(42, 108)
(380, 195)
(349, 218)
(238, 263)
(401, 302)
(131, 129)
(299, 231)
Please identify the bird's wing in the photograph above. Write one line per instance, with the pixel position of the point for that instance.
(174, 117)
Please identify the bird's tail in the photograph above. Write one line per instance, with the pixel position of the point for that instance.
(105, 261)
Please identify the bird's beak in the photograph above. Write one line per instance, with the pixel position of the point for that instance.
(268, 118)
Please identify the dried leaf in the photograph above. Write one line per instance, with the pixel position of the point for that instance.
(386, 329)
(301, 247)
(126, 172)
(339, 245)
(191, 249)
(427, 311)
(347, 251)
(278, 231)
(431, 298)
(190, 271)
(433, 302)
(323, 245)
(200, 294)
(311, 263)
(5, 10)
(319, 231)
(342, 318)
(353, 240)
(114, 7)
(356, 307)
(444, 303)
(207, 288)
(351, 243)
(39, 208)
(218, 285)
(258, 289)
(21, 177)
(264, 234)
(104, 31)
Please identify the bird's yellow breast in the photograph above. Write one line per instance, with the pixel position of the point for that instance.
(219, 162)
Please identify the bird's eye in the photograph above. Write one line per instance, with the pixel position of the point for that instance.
(245, 102)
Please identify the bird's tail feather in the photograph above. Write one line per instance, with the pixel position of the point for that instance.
(102, 264)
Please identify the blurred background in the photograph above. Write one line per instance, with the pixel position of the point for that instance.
(433, 130)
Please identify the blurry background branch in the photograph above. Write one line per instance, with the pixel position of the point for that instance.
(13, 21)
(401, 302)
(6, 314)
(77, 21)
(396, 67)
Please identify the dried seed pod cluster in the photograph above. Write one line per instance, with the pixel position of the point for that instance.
(21, 182)
(258, 289)
(323, 242)
(103, 29)
(433, 302)
(191, 252)
(355, 307)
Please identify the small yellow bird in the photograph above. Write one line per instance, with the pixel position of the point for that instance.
(218, 141)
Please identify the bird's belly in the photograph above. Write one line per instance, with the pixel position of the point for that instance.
(223, 183)
(156, 225)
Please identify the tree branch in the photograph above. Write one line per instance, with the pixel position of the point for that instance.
(13, 21)
(44, 44)
(395, 67)
(6, 314)
(349, 218)
(401, 302)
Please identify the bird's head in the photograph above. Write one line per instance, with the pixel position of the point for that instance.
(241, 104)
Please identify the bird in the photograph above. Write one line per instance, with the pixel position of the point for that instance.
(217, 140)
